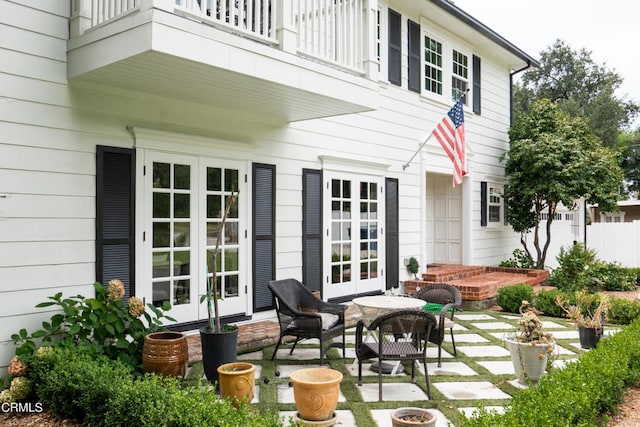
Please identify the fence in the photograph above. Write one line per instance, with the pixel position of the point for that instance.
(616, 242)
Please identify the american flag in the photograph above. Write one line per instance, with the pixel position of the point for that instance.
(450, 135)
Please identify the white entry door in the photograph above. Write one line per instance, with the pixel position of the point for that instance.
(184, 200)
(444, 220)
(353, 242)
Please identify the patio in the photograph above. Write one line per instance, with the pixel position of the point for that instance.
(481, 373)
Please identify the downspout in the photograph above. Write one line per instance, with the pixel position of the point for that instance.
(511, 90)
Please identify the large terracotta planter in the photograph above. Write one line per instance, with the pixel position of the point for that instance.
(316, 392)
(237, 381)
(413, 417)
(529, 361)
(165, 353)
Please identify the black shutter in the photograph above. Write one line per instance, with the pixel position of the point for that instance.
(476, 85)
(392, 241)
(115, 216)
(312, 229)
(264, 236)
(414, 55)
(483, 203)
(504, 205)
(395, 47)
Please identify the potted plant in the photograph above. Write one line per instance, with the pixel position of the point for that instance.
(588, 313)
(530, 346)
(413, 417)
(413, 266)
(219, 343)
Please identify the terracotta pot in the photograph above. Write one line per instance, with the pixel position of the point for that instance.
(413, 417)
(237, 381)
(165, 353)
(316, 392)
(529, 361)
(300, 422)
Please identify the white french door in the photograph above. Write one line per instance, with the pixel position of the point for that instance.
(184, 200)
(353, 241)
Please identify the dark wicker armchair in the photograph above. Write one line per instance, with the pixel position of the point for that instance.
(449, 297)
(400, 335)
(302, 315)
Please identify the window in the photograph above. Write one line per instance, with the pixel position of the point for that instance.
(492, 207)
(459, 76)
(433, 73)
(379, 38)
(495, 205)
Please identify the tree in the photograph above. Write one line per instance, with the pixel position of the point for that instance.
(555, 159)
(580, 87)
(631, 160)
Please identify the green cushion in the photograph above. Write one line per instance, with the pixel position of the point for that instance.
(435, 308)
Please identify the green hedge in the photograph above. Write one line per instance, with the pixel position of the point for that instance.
(104, 392)
(510, 297)
(579, 394)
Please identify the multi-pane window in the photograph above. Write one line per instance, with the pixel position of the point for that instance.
(368, 230)
(340, 231)
(459, 76)
(433, 63)
(379, 38)
(495, 205)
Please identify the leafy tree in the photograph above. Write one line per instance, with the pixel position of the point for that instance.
(580, 87)
(555, 159)
(631, 160)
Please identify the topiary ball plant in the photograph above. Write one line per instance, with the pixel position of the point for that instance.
(413, 267)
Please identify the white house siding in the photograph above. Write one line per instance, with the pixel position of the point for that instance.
(49, 131)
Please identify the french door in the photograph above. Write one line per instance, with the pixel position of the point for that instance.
(353, 241)
(185, 197)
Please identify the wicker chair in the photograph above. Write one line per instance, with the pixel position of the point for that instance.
(400, 335)
(302, 315)
(449, 297)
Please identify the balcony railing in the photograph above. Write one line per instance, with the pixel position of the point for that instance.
(335, 31)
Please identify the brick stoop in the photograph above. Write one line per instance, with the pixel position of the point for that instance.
(478, 284)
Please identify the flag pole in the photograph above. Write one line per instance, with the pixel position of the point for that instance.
(406, 165)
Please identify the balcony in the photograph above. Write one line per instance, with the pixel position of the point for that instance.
(282, 60)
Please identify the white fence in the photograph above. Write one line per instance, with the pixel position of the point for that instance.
(616, 242)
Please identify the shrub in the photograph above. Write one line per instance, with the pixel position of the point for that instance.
(610, 276)
(519, 259)
(510, 297)
(546, 302)
(103, 325)
(579, 393)
(573, 272)
(623, 311)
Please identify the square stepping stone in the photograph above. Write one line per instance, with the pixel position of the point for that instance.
(344, 418)
(484, 351)
(382, 417)
(547, 324)
(254, 355)
(472, 338)
(286, 370)
(487, 326)
(367, 371)
(448, 368)
(300, 353)
(432, 352)
(478, 316)
(285, 394)
(470, 390)
(498, 367)
(566, 335)
(392, 391)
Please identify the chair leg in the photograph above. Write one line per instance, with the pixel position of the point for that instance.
(359, 372)
(294, 345)
(440, 355)
(426, 376)
(379, 379)
(453, 341)
(273, 356)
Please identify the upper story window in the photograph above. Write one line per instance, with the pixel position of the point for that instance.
(459, 76)
(433, 62)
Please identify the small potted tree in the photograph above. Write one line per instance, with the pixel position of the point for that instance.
(588, 313)
(530, 346)
(413, 266)
(219, 342)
